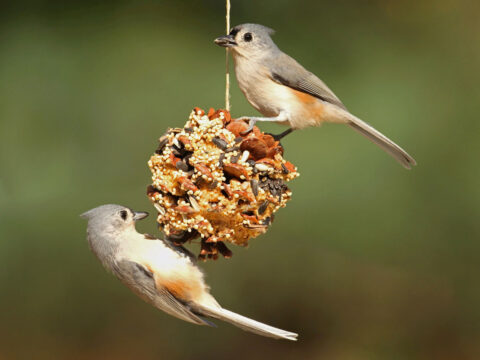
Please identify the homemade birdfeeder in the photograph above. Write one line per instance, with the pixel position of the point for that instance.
(214, 181)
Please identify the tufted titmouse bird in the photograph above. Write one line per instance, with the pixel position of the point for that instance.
(285, 92)
(160, 273)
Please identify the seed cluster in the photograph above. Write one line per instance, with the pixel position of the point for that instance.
(210, 180)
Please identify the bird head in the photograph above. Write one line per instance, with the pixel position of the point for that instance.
(112, 218)
(249, 40)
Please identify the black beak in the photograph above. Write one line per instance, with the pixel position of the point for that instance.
(139, 215)
(226, 41)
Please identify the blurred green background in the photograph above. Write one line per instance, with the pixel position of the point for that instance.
(368, 260)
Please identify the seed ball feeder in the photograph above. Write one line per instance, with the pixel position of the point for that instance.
(212, 180)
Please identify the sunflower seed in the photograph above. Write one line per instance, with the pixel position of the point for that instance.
(222, 249)
(161, 144)
(267, 221)
(252, 164)
(254, 185)
(263, 207)
(220, 143)
(194, 202)
(220, 160)
(273, 191)
(174, 130)
(213, 185)
(264, 183)
(181, 165)
(234, 159)
(177, 236)
(176, 152)
(232, 149)
(159, 208)
(284, 168)
(245, 155)
(238, 139)
(177, 143)
(187, 158)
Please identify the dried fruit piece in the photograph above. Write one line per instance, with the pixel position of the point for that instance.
(257, 147)
(245, 195)
(237, 127)
(187, 184)
(236, 170)
(290, 167)
(184, 140)
(203, 169)
(185, 209)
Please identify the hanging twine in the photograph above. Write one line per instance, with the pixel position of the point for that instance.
(227, 70)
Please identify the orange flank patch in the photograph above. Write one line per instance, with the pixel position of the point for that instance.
(305, 98)
(185, 286)
(312, 107)
(180, 289)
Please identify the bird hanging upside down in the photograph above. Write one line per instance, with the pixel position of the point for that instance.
(160, 273)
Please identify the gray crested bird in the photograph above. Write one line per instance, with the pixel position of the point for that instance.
(163, 275)
(285, 92)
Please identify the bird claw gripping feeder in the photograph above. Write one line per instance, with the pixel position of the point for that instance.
(213, 181)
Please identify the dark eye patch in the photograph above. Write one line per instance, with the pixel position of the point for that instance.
(248, 37)
(123, 214)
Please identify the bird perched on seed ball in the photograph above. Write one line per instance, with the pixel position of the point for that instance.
(161, 274)
(285, 92)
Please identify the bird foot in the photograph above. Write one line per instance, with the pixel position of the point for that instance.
(251, 124)
(280, 136)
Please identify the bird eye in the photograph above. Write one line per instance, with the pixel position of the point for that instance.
(248, 37)
(123, 214)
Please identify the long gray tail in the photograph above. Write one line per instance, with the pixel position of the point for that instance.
(381, 140)
(247, 324)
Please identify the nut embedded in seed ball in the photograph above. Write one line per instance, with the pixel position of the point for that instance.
(212, 181)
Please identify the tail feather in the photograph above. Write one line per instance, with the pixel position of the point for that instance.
(381, 140)
(247, 324)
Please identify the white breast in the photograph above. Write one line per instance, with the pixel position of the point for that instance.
(156, 254)
(265, 95)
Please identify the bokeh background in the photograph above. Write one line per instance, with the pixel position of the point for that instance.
(368, 260)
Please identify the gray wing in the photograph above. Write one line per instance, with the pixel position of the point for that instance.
(287, 71)
(142, 282)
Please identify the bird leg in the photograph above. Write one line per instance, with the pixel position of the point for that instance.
(253, 119)
(280, 136)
